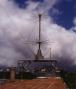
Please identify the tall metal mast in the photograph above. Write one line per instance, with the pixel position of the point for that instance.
(39, 31)
(39, 53)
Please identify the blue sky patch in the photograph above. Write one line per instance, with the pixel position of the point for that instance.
(65, 16)
(68, 14)
(21, 3)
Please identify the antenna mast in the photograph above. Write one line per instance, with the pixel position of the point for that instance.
(39, 53)
(39, 31)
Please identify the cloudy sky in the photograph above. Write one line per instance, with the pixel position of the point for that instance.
(19, 25)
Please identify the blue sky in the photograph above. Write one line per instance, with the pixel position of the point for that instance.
(68, 13)
(66, 9)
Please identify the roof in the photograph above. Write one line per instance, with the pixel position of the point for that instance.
(39, 83)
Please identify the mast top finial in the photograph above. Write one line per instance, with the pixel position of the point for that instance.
(40, 15)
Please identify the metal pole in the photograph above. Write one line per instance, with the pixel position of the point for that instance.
(39, 30)
(50, 54)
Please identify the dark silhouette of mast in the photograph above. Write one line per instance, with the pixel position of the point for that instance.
(50, 54)
(39, 31)
(39, 53)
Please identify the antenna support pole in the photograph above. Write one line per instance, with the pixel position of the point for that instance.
(39, 30)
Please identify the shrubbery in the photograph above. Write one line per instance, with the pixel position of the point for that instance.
(69, 78)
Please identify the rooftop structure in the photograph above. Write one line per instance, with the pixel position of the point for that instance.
(39, 63)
